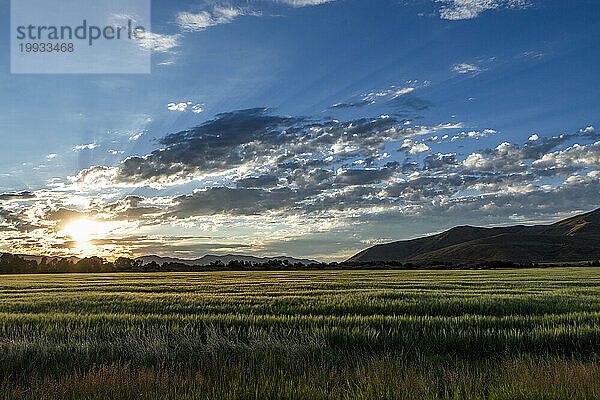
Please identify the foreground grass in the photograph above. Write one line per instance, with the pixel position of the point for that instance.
(514, 334)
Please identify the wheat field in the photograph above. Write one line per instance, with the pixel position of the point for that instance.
(483, 334)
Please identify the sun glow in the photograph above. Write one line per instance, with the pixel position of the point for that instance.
(83, 232)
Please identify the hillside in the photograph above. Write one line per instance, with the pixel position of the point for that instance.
(573, 239)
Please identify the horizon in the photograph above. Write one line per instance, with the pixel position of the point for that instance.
(307, 129)
(109, 258)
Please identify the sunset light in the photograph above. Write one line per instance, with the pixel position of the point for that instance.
(300, 199)
(84, 231)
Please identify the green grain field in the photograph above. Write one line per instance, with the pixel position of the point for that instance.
(505, 334)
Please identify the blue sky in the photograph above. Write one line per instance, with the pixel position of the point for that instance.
(311, 128)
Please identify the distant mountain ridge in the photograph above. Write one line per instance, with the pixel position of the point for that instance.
(208, 259)
(573, 239)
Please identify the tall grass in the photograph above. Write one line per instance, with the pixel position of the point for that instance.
(322, 334)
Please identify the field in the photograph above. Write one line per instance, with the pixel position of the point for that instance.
(509, 334)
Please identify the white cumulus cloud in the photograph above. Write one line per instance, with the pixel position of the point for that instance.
(185, 106)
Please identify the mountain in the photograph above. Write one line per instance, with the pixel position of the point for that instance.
(208, 259)
(570, 240)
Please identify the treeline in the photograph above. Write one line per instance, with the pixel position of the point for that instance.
(13, 264)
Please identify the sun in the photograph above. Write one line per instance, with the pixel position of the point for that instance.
(80, 230)
(83, 231)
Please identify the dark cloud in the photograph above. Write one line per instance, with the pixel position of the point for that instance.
(396, 99)
(363, 176)
(24, 195)
(423, 188)
(312, 180)
(240, 201)
(577, 193)
(557, 171)
(16, 221)
(440, 161)
(408, 103)
(262, 181)
(228, 141)
(295, 166)
(509, 157)
(353, 197)
(409, 167)
(250, 138)
(63, 215)
(129, 209)
(355, 104)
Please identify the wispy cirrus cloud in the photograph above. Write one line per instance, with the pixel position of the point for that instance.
(303, 3)
(465, 68)
(191, 22)
(468, 9)
(160, 43)
(396, 98)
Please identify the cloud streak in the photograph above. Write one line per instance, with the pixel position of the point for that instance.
(469, 9)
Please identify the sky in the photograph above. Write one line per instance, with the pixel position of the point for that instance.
(307, 128)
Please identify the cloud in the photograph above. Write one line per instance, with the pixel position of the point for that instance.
(89, 146)
(185, 106)
(134, 137)
(509, 157)
(473, 134)
(418, 148)
(532, 203)
(254, 163)
(401, 99)
(238, 201)
(466, 68)
(160, 43)
(262, 181)
(177, 106)
(97, 176)
(478, 162)
(413, 148)
(589, 130)
(303, 3)
(128, 209)
(190, 22)
(351, 177)
(194, 22)
(16, 221)
(440, 161)
(468, 9)
(247, 139)
(25, 195)
(261, 175)
(197, 108)
(588, 156)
